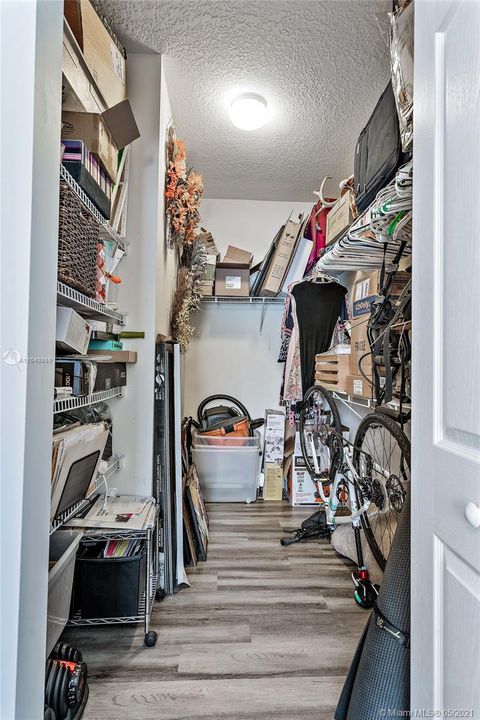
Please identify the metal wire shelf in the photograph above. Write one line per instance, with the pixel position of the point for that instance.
(71, 403)
(69, 297)
(353, 399)
(106, 230)
(114, 464)
(215, 299)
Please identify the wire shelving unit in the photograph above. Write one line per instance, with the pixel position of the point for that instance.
(216, 299)
(72, 403)
(106, 230)
(69, 297)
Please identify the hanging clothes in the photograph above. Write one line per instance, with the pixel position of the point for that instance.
(292, 389)
(317, 309)
(316, 231)
(286, 328)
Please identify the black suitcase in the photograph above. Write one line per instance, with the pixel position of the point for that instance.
(378, 152)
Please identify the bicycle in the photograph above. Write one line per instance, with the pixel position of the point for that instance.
(367, 479)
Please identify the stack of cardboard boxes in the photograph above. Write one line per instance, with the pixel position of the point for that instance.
(341, 372)
(232, 275)
(91, 141)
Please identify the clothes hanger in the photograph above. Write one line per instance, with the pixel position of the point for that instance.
(320, 195)
(320, 277)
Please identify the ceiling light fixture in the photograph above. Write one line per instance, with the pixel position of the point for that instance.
(249, 111)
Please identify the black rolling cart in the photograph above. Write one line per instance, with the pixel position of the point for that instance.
(118, 590)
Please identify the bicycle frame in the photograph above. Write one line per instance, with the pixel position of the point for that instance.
(349, 476)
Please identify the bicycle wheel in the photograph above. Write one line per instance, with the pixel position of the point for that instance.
(321, 448)
(382, 460)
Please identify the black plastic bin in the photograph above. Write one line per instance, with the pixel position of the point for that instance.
(108, 587)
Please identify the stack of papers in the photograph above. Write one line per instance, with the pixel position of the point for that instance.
(76, 454)
(122, 548)
(122, 512)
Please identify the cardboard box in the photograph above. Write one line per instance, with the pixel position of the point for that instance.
(103, 57)
(339, 218)
(237, 256)
(331, 370)
(273, 482)
(72, 332)
(115, 356)
(280, 262)
(74, 374)
(91, 129)
(301, 488)
(357, 386)
(110, 375)
(232, 280)
(366, 287)
(274, 436)
(364, 292)
(360, 345)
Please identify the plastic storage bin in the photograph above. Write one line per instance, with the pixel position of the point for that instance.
(63, 548)
(228, 474)
(202, 441)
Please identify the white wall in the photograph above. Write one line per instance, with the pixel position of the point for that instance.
(229, 355)
(30, 153)
(148, 272)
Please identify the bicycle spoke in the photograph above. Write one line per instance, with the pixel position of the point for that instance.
(385, 477)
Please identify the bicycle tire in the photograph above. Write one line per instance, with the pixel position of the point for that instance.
(380, 545)
(337, 423)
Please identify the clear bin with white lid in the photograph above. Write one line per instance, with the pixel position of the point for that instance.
(224, 441)
(63, 549)
(228, 473)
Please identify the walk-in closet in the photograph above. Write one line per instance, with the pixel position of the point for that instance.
(239, 367)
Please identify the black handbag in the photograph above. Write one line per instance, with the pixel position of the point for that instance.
(378, 152)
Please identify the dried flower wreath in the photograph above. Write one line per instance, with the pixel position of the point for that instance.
(187, 295)
(183, 191)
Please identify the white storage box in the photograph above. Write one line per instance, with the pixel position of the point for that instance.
(63, 549)
(228, 474)
(274, 436)
(73, 332)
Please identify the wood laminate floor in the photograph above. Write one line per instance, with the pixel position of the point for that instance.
(264, 632)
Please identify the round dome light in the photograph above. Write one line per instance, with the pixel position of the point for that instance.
(249, 111)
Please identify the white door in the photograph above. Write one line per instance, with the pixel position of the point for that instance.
(446, 362)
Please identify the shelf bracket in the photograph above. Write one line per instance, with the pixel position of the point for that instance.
(262, 317)
(349, 402)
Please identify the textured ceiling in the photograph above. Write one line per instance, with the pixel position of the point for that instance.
(320, 64)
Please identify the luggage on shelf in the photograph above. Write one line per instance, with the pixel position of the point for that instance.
(378, 152)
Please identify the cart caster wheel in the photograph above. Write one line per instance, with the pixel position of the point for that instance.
(151, 638)
(248, 501)
(160, 595)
